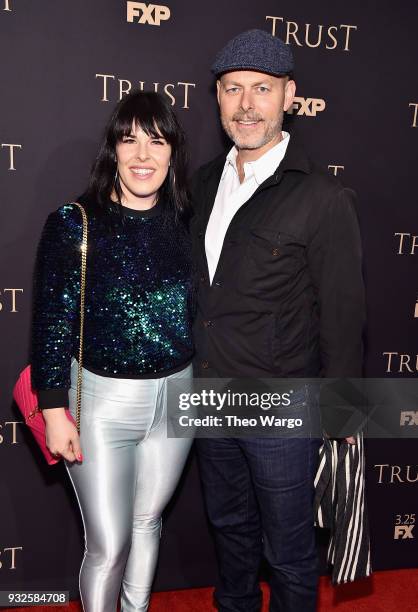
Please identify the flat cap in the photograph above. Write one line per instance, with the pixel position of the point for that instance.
(254, 50)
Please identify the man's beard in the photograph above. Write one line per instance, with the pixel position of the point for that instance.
(273, 129)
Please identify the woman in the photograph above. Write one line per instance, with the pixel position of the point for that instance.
(137, 337)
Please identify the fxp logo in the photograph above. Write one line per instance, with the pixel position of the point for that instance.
(307, 106)
(151, 14)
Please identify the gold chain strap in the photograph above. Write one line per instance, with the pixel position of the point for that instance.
(82, 305)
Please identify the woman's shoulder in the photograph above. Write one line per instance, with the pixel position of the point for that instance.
(66, 221)
(67, 212)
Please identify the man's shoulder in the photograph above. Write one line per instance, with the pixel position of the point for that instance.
(313, 176)
(324, 180)
(325, 194)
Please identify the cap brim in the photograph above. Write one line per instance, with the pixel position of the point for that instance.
(219, 73)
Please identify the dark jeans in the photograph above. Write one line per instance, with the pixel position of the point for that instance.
(259, 498)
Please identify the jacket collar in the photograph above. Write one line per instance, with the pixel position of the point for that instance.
(295, 159)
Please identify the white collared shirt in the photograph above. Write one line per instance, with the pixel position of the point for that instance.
(232, 194)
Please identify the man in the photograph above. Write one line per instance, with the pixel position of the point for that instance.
(280, 295)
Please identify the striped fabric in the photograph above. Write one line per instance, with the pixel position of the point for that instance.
(340, 506)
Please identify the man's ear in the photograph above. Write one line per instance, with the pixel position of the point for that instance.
(289, 94)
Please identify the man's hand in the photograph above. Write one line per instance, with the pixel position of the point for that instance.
(62, 438)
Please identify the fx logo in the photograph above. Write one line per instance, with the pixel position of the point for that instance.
(152, 14)
(307, 106)
(409, 417)
(403, 532)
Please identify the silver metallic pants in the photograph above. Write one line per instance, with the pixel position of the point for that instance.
(129, 472)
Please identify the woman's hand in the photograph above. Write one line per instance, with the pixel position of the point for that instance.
(61, 435)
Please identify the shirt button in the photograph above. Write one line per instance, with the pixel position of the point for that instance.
(207, 323)
(205, 365)
(275, 252)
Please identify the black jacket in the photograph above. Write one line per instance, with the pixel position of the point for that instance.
(287, 298)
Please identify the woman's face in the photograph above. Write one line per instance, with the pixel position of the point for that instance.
(143, 163)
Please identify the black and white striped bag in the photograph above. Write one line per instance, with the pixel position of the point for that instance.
(340, 505)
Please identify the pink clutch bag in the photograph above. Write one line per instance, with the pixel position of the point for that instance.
(23, 394)
(27, 402)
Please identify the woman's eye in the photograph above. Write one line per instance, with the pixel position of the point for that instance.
(128, 139)
(159, 142)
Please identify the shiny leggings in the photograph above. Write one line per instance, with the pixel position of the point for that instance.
(128, 474)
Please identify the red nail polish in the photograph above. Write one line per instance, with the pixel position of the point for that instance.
(80, 457)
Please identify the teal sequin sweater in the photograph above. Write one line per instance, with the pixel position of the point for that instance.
(138, 311)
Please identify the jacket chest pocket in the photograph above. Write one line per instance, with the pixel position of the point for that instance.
(272, 260)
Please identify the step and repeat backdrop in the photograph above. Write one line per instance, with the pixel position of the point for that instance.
(64, 65)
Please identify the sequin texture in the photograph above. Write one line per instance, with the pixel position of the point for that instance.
(139, 302)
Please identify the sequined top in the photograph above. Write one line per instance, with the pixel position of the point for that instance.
(139, 302)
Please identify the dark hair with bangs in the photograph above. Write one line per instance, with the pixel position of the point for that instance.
(152, 112)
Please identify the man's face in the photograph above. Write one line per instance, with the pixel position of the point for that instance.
(252, 106)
